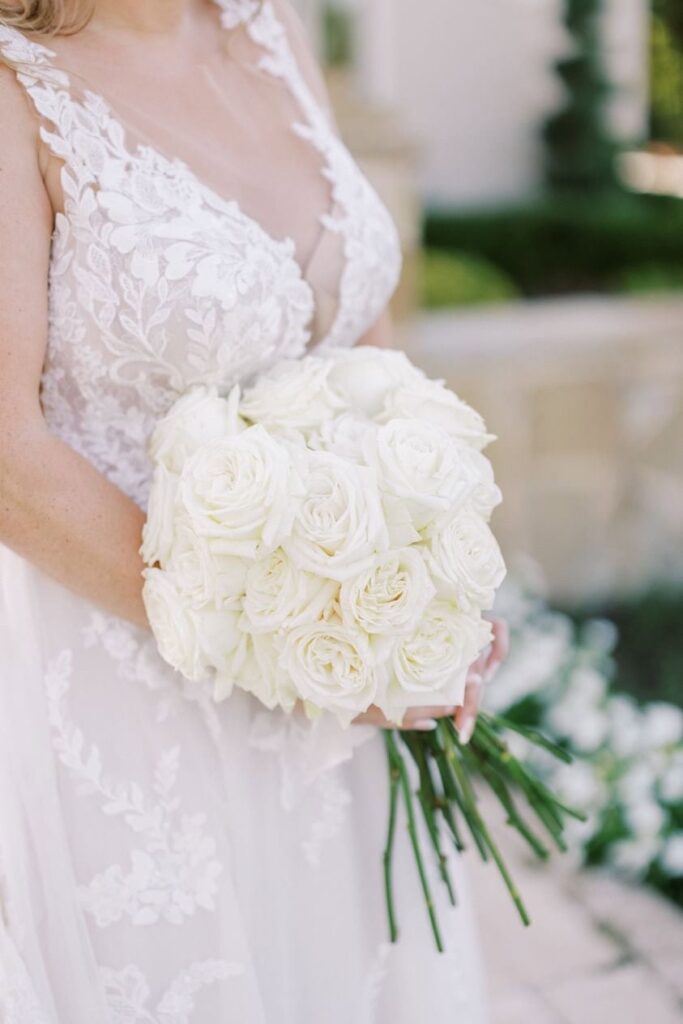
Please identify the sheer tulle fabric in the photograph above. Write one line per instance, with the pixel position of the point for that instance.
(241, 133)
(164, 860)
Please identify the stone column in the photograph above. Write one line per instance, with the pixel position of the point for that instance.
(377, 50)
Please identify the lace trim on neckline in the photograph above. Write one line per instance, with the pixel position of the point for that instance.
(265, 29)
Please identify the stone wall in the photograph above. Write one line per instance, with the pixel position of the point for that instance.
(474, 81)
(586, 397)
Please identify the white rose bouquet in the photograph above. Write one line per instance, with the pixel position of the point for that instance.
(320, 539)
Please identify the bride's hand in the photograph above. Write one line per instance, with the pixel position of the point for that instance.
(424, 719)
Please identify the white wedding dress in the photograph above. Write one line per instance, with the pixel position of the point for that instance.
(165, 860)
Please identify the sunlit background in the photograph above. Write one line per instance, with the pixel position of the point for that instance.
(531, 152)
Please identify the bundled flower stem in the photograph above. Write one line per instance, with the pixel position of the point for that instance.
(446, 771)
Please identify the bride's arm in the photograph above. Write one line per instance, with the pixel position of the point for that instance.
(55, 509)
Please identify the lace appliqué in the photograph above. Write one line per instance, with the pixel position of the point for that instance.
(173, 872)
(18, 1001)
(371, 244)
(310, 755)
(157, 283)
(128, 994)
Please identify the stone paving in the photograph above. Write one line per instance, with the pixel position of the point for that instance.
(598, 951)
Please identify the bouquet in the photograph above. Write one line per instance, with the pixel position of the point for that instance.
(320, 539)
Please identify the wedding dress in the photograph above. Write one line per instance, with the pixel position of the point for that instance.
(166, 860)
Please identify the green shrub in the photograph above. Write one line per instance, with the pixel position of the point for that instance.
(649, 279)
(579, 148)
(450, 279)
(559, 246)
(649, 654)
(666, 77)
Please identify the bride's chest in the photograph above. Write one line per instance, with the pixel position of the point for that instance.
(157, 283)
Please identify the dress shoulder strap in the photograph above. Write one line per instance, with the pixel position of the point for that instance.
(73, 127)
(32, 61)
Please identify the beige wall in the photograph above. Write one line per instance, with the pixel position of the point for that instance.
(586, 397)
(472, 81)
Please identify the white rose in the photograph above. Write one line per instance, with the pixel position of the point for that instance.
(339, 526)
(195, 419)
(240, 490)
(465, 560)
(485, 495)
(278, 594)
(331, 667)
(432, 402)
(202, 575)
(430, 666)
(390, 597)
(421, 466)
(158, 532)
(224, 647)
(174, 625)
(363, 376)
(343, 435)
(263, 676)
(293, 395)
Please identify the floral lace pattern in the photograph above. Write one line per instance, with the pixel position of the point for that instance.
(173, 870)
(18, 1002)
(157, 283)
(128, 993)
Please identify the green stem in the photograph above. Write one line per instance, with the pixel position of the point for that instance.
(461, 789)
(505, 799)
(532, 735)
(484, 832)
(429, 803)
(414, 838)
(394, 780)
(446, 806)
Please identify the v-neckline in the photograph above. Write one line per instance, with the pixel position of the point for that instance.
(172, 166)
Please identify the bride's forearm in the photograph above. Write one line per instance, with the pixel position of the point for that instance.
(60, 513)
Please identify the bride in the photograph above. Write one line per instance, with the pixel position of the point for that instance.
(176, 207)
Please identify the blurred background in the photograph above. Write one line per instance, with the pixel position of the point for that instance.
(531, 152)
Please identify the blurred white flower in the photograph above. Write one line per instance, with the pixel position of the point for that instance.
(578, 784)
(580, 722)
(632, 857)
(587, 685)
(600, 636)
(625, 725)
(671, 857)
(637, 783)
(644, 817)
(662, 725)
(671, 781)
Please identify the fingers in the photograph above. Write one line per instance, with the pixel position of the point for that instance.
(466, 716)
(422, 719)
(477, 669)
(432, 711)
(500, 645)
(426, 719)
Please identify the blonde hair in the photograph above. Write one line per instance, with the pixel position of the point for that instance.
(48, 17)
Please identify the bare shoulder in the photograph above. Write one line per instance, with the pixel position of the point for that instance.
(19, 136)
(25, 227)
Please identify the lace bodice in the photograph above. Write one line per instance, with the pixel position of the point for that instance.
(158, 283)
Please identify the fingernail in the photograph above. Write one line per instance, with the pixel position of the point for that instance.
(466, 730)
(424, 725)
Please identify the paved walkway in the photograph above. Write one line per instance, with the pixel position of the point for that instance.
(597, 952)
